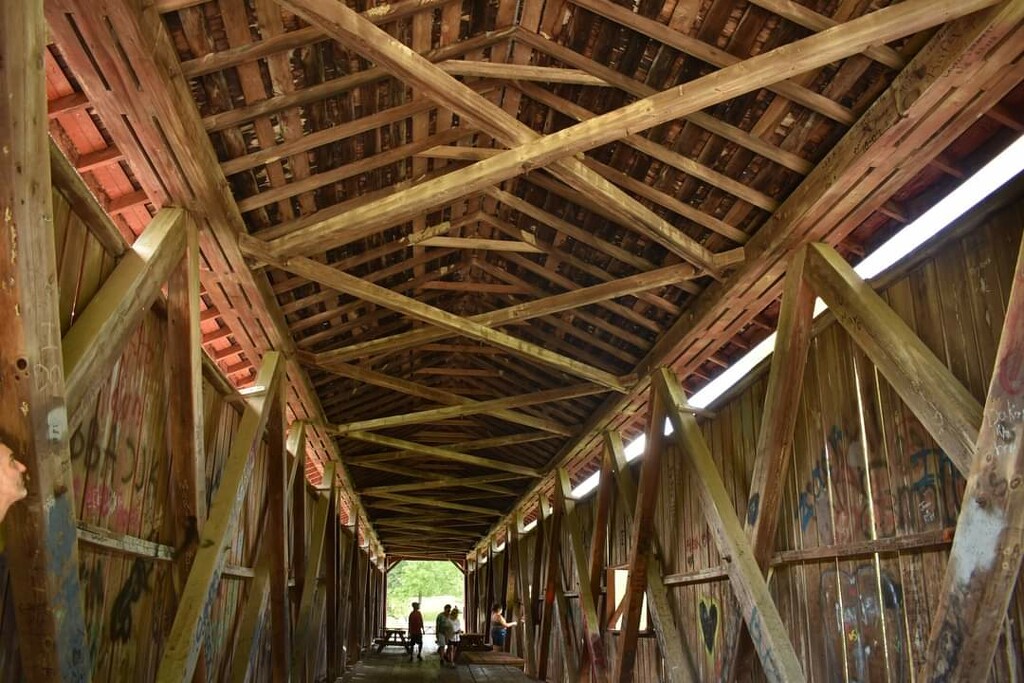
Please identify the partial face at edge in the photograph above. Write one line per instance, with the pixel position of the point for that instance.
(12, 476)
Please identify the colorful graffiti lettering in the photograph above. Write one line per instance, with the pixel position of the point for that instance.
(849, 498)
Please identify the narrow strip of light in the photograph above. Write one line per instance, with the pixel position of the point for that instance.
(966, 196)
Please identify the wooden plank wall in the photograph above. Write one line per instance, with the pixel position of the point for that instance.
(863, 470)
(121, 482)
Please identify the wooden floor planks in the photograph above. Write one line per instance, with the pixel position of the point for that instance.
(394, 667)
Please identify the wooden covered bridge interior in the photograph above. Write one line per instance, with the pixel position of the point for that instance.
(295, 290)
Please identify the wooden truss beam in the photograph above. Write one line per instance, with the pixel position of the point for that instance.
(39, 531)
(985, 559)
(275, 538)
(679, 666)
(472, 408)
(431, 394)
(253, 621)
(771, 639)
(381, 296)
(98, 337)
(136, 88)
(443, 483)
(642, 537)
(879, 27)
(575, 298)
(942, 404)
(552, 579)
(444, 503)
(713, 55)
(304, 624)
(588, 605)
(774, 439)
(889, 145)
(192, 618)
(441, 453)
(376, 45)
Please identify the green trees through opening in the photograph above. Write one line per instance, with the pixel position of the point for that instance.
(433, 584)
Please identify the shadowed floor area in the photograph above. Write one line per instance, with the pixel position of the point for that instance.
(394, 666)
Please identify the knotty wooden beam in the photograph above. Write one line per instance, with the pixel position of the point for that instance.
(97, 338)
(192, 618)
(588, 605)
(779, 64)
(771, 639)
(349, 284)
(40, 533)
(985, 559)
(441, 453)
(774, 440)
(303, 625)
(679, 666)
(937, 398)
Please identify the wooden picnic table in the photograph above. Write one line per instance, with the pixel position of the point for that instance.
(391, 636)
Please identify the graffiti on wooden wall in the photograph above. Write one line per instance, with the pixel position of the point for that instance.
(862, 614)
(848, 497)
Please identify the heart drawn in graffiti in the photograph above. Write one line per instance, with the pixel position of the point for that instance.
(709, 623)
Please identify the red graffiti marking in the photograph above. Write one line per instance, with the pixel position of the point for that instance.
(1011, 374)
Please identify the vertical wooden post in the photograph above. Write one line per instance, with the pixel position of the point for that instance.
(297, 505)
(527, 623)
(303, 627)
(599, 537)
(512, 581)
(355, 622)
(552, 580)
(774, 441)
(641, 539)
(347, 551)
(276, 539)
(984, 562)
(250, 631)
(184, 425)
(40, 531)
(588, 608)
(679, 665)
(192, 619)
(331, 551)
(771, 639)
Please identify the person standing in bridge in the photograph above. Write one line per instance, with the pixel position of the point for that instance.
(416, 631)
(440, 626)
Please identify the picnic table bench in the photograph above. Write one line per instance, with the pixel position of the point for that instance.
(391, 636)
